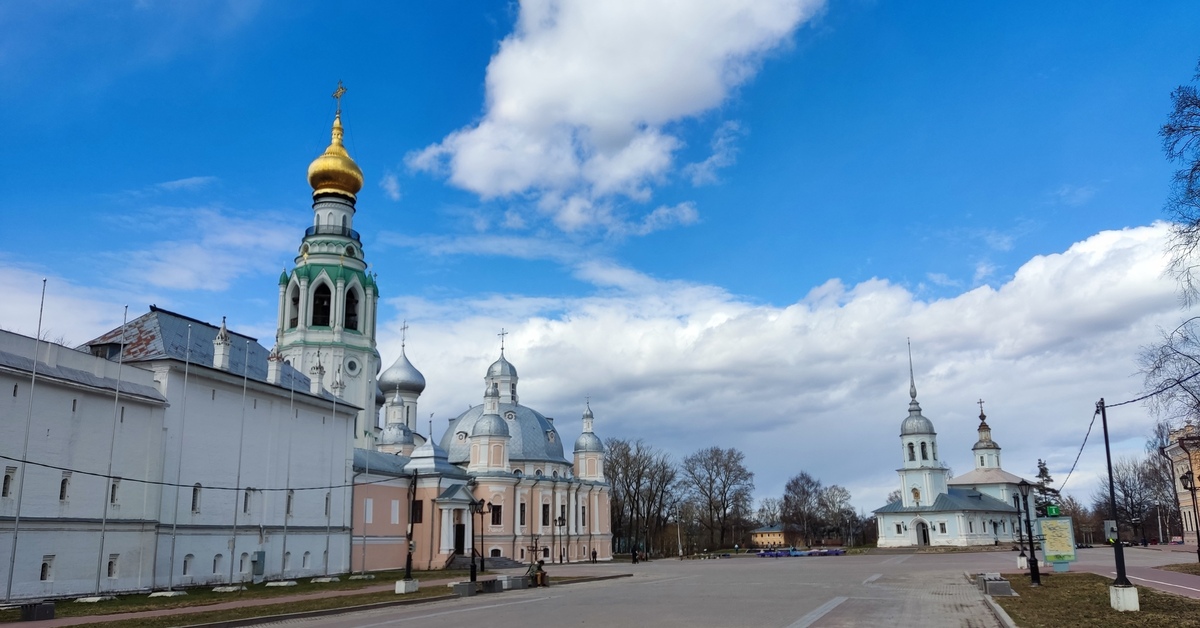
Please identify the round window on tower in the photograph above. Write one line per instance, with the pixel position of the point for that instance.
(352, 367)
(510, 415)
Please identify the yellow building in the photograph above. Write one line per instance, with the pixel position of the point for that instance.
(1184, 451)
(767, 536)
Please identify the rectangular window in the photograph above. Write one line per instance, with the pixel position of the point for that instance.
(10, 473)
(368, 506)
(545, 515)
(898, 530)
(583, 516)
(942, 527)
(395, 511)
(291, 501)
(971, 527)
(112, 491)
(497, 517)
(522, 513)
(418, 512)
(328, 501)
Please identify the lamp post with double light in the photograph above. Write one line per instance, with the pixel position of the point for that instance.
(559, 523)
(481, 508)
(1189, 482)
(1035, 576)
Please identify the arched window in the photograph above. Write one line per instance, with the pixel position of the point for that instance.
(321, 303)
(7, 488)
(294, 307)
(187, 564)
(912, 452)
(244, 567)
(291, 498)
(329, 219)
(916, 493)
(981, 461)
(351, 318)
(287, 560)
(45, 570)
(304, 562)
(217, 563)
(112, 567)
(343, 221)
(196, 498)
(924, 451)
(62, 489)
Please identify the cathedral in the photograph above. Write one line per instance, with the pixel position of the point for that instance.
(170, 452)
(976, 508)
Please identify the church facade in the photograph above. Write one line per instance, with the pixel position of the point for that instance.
(170, 452)
(934, 509)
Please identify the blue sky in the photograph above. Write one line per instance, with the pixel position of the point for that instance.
(720, 222)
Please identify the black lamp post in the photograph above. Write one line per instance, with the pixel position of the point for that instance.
(1189, 482)
(482, 508)
(1020, 535)
(1035, 576)
(558, 524)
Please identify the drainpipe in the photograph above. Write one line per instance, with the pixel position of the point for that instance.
(516, 508)
(432, 510)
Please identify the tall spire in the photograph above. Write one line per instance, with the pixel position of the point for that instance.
(912, 380)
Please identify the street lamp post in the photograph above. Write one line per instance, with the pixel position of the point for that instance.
(1020, 535)
(1035, 576)
(559, 523)
(1189, 482)
(408, 536)
(1118, 551)
(481, 507)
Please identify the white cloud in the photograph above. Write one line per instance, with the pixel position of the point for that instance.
(1074, 195)
(215, 249)
(579, 96)
(390, 185)
(821, 384)
(724, 153)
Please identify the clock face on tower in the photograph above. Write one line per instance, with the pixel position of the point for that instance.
(353, 367)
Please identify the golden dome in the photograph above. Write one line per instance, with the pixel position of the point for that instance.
(334, 170)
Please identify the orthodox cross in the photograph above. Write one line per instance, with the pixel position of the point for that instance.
(403, 333)
(502, 334)
(980, 402)
(337, 94)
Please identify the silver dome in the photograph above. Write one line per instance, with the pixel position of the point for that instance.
(532, 437)
(490, 425)
(502, 368)
(402, 376)
(588, 442)
(396, 434)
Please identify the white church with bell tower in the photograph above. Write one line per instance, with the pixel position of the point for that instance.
(327, 303)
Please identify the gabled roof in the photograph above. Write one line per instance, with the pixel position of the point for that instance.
(24, 364)
(985, 476)
(767, 529)
(955, 500)
(161, 334)
(379, 463)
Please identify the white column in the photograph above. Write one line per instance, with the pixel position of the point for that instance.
(470, 530)
(339, 307)
(302, 310)
(447, 541)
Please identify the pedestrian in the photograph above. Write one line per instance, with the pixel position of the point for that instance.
(635, 553)
(593, 557)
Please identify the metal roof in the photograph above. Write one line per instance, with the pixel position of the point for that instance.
(955, 500)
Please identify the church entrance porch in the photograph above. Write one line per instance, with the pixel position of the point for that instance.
(460, 535)
(922, 533)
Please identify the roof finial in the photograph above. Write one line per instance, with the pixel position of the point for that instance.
(337, 94)
(912, 380)
(403, 334)
(982, 416)
(502, 334)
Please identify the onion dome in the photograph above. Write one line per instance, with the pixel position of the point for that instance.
(490, 425)
(402, 376)
(396, 434)
(334, 171)
(502, 368)
(985, 434)
(915, 423)
(587, 441)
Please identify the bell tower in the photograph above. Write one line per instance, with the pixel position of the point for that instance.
(327, 303)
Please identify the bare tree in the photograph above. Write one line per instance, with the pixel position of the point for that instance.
(1160, 480)
(1133, 496)
(1181, 142)
(642, 480)
(802, 505)
(1169, 367)
(719, 480)
(894, 496)
(768, 511)
(835, 509)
